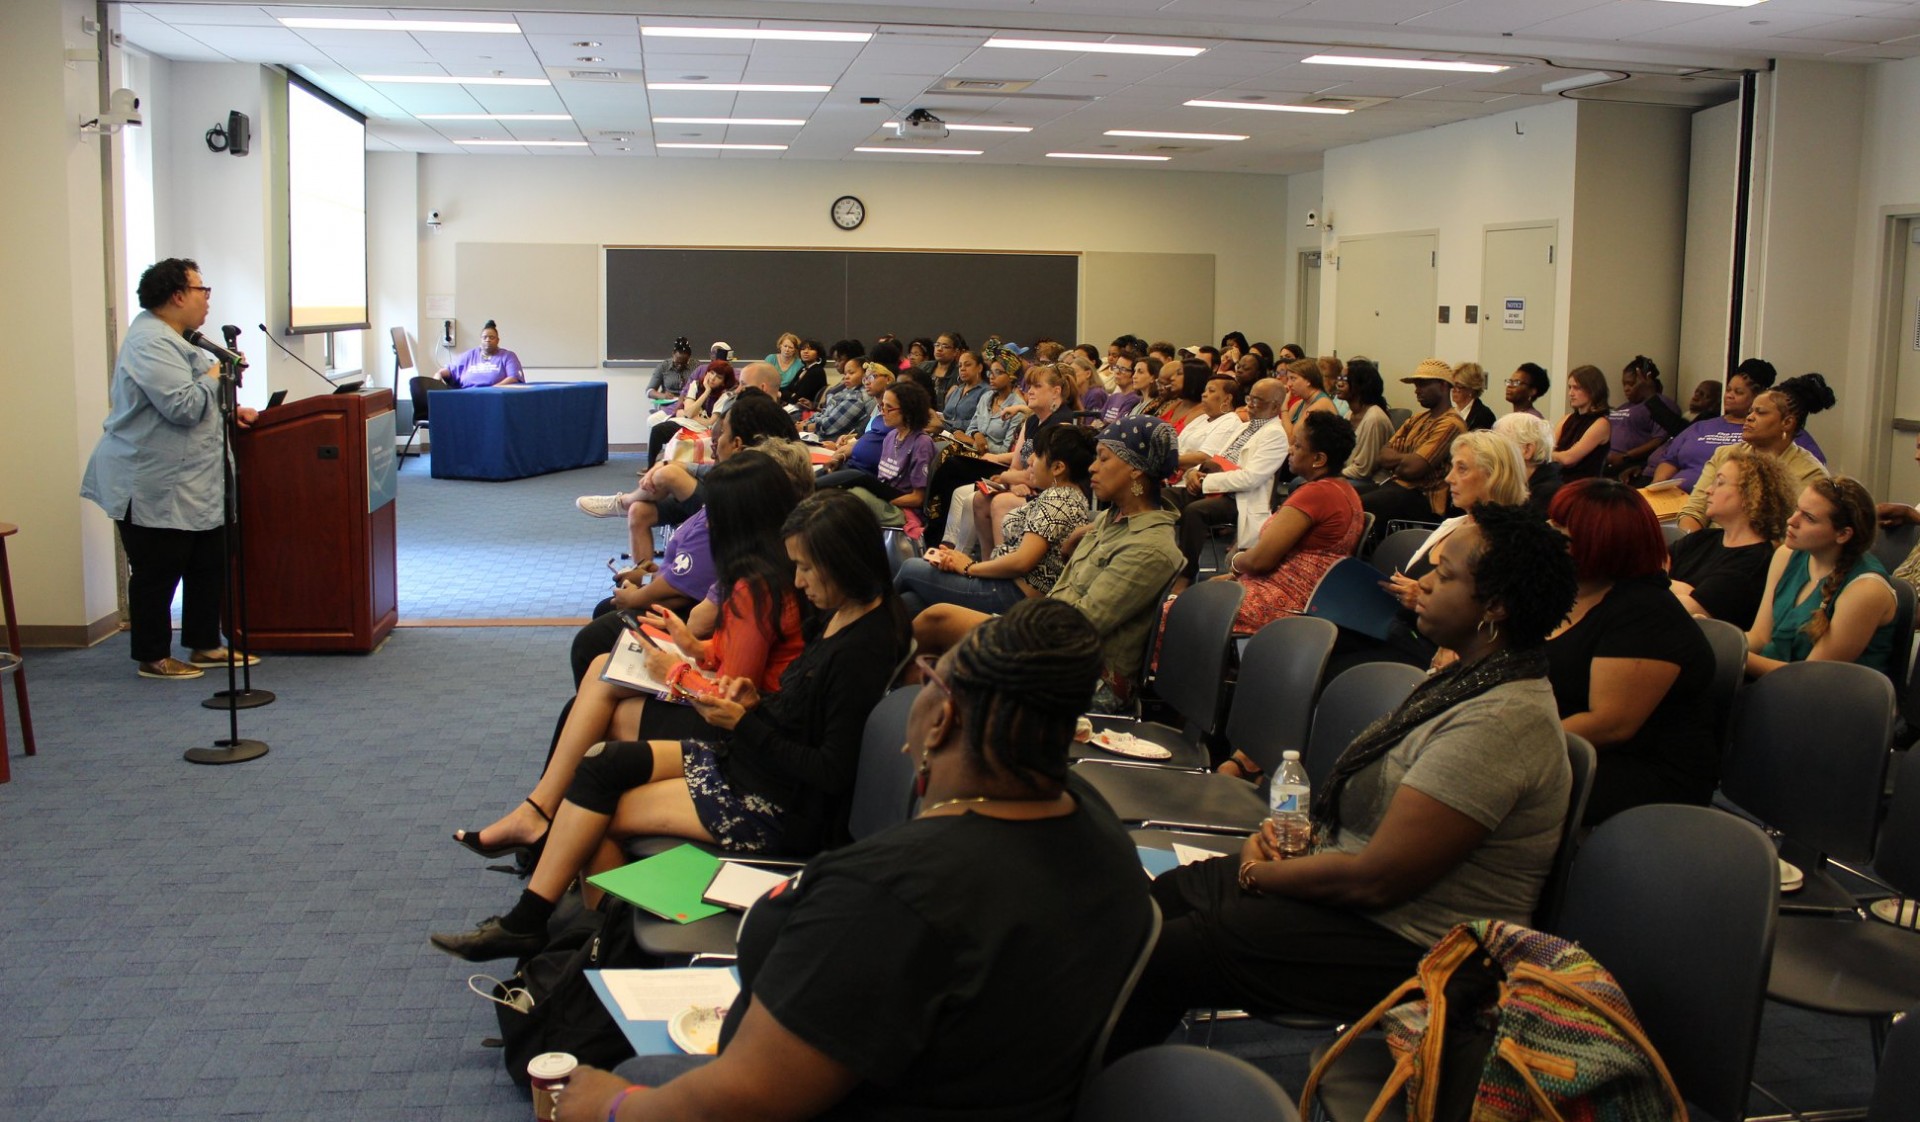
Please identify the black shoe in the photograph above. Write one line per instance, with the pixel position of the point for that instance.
(489, 941)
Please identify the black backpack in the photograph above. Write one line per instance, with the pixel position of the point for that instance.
(565, 1014)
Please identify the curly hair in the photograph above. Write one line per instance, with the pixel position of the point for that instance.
(1766, 496)
(1853, 509)
(1020, 680)
(164, 280)
(916, 408)
(1329, 434)
(1525, 565)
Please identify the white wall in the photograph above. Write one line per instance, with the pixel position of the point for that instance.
(393, 263)
(1457, 179)
(1304, 193)
(1889, 184)
(1712, 176)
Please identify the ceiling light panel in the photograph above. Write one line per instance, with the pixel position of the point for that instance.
(738, 87)
(790, 122)
(1076, 45)
(772, 34)
(449, 80)
(1266, 106)
(722, 146)
(903, 150)
(951, 127)
(1143, 133)
(330, 23)
(492, 117)
(1405, 63)
(523, 143)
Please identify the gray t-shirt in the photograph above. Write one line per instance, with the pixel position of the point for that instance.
(1501, 760)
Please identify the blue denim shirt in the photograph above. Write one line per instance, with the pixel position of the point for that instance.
(159, 450)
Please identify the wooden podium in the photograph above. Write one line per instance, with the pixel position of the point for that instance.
(317, 510)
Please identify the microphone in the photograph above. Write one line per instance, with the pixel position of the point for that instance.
(316, 372)
(233, 336)
(216, 350)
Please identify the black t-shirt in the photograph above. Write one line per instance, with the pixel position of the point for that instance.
(961, 966)
(1673, 757)
(1727, 582)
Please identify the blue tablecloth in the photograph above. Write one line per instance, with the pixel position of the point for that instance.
(498, 432)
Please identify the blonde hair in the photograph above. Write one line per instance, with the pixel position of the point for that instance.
(1498, 455)
(793, 458)
(1766, 495)
(1528, 431)
(787, 336)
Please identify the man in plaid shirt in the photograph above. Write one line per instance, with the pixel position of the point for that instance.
(845, 407)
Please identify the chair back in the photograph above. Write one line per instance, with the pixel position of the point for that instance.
(1900, 669)
(1182, 1083)
(418, 387)
(1280, 669)
(899, 547)
(1892, 546)
(1581, 758)
(1671, 532)
(1396, 549)
(883, 779)
(1193, 653)
(1678, 902)
(1350, 703)
(1151, 653)
(1399, 417)
(1897, 859)
(1896, 1092)
(1367, 519)
(1729, 645)
(1809, 755)
(1097, 1058)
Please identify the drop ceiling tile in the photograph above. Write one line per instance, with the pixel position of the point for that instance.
(1496, 16)
(1859, 30)
(575, 26)
(180, 15)
(1618, 20)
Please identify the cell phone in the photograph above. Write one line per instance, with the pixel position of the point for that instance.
(632, 623)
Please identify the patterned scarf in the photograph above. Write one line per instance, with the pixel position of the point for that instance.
(1239, 442)
(1439, 693)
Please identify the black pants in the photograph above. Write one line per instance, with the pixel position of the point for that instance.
(1391, 502)
(657, 439)
(1199, 514)
(954, 471)
(157, 562)
(847, 478)
(1222, 948)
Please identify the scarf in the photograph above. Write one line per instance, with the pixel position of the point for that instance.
(1429, 699)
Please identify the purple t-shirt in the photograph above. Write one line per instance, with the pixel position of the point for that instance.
(478, 368)
(1094, 400)
(905, 463)
(1696, 444)
(1633, 425)
(688, 566)
(1118, 405)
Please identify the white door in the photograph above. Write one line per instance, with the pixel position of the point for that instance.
(1517, 304)
(1307, 334)
(1385, 299)
(1903, 475)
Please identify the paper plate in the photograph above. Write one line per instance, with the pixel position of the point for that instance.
(1127, 744)
(696, 1029)
(1791, 878)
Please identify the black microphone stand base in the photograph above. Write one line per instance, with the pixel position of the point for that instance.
(227, 752)
(240, 699)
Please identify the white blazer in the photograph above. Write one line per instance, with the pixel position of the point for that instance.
(1265, 454)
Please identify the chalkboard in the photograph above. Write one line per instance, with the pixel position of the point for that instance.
(747, 297)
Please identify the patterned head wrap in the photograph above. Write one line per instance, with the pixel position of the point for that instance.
(1003, 357)
(1145, 444)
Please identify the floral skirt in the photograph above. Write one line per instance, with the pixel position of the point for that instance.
(744, 822)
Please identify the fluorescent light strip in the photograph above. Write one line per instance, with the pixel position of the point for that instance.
(793, 122)
(525, 143)
(1177, 135)
(446, 80)
(312, 23)
(757, 33)
(1405, 63)
(729, 147)
(738, 87)
(491, 117)
(923, 151)
(1094, 48)
(1721, 3)
(1202, 103)
(973, 128)
(1104, 156)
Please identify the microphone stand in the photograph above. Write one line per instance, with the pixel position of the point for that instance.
(233, 749)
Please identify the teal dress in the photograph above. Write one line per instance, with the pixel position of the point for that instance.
(1791, 643)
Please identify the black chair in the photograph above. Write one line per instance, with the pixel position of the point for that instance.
(900, 549)
(1896, 1091)
(1181, 1083)
(882, 797)
(1097, 1057)
(1191, 678)
(1892, 546)
(1901, 669)
(1671, 533)
(1582, 759)
(1271, 713)
(1729, 645)
(418, 387)
(1396, 549)
(1350, 703)
(1678, 903)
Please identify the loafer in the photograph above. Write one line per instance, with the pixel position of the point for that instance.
(218, 657)
(169, 668)
(489, 941)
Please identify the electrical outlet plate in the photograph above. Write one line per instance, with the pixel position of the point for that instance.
(1473, 313)
(1446, 313)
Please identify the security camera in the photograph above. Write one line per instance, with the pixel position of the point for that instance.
(1313, 220)
(123, 109)
(433, 219)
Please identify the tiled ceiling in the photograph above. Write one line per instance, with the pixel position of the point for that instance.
(598, 65)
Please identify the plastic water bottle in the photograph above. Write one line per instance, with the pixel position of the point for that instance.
(1289, 799)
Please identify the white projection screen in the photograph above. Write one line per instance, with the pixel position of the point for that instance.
(326, 212)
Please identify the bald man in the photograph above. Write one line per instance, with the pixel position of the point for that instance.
(1214, 493)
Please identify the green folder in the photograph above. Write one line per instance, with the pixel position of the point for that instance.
(668, 884)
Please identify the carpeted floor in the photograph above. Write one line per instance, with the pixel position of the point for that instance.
(186, 942)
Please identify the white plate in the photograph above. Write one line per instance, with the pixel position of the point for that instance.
(696, 1029)
(1127, 744)
(1791, 878)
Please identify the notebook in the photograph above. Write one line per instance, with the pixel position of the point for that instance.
(668, 884)
(1350, 596)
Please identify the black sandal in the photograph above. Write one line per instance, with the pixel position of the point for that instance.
(470, 839)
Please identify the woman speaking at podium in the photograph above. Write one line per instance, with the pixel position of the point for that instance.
(485, 365)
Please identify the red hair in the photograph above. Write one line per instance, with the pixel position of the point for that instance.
(1612, 532)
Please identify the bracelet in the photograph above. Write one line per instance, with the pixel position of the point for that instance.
(1246, 877)
(613, 1108)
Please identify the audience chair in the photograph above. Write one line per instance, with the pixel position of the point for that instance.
(1582, 759)
(418, 387)
(1678, 903)
(1191, 678)
(1181, 1083)
(1097, 1058)
(1671, 533)
(1351, 702)
(1850, 964)
(1271, 713)
(1729, 645)
(882, 797)
(1892, 546)
(1399, 417)
(900, 549)
(1901, 669)
(1896, 1091)
(1367, 519)
(1396, 549)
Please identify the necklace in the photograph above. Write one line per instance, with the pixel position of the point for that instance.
(924, 811)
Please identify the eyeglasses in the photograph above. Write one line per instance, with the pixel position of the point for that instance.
(206, 288)
(1516, 381)
(1253, 399)
(929, 671)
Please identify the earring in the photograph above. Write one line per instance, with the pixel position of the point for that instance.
(1139, 488)
(1490, 629)
(920, 776)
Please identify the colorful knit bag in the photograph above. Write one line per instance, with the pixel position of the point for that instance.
(1513, 1025)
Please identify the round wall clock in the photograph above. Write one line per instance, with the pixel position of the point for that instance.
(848, 212)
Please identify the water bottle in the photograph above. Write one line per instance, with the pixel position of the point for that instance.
(1289, 799)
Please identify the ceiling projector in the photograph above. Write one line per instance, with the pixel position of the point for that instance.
(920, 125)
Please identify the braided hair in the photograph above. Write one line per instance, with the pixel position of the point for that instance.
(1853, 509)
(1020, 680)
(1801, 397)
